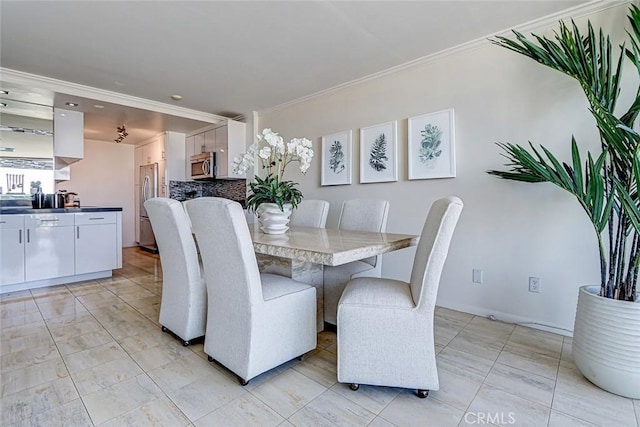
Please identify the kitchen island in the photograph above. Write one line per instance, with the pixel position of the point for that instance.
(44, 247)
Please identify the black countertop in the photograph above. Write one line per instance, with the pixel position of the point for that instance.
(30, 211)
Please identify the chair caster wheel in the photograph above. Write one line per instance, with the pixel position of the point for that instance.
(242, 382)
(186, 343)
(210, 359)
(354, 387)
(164, 329)
(422, 393)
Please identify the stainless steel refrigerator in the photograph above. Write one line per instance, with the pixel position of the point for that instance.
(148, 190)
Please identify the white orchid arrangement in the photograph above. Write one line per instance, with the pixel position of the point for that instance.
(274, 155)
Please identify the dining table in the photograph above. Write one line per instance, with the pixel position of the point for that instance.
(302, 252)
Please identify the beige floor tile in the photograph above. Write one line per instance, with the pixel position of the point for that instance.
(636, 405)
(23, 331)
(69, 414)
(31, 356)
(136, 292)
(464, 364)
(51, 293)
(472, 419)
(558, 419)
(500, 331)
(22, 319)
(245, 411)
(84, 342)
(121, 398)
(321, 367)
(146, 340)
(479, 345)
(456, 389)
(206, 394)
(35, 400)
(577, 397)
(8, 296)
(506, 406)
(373, 399)
(13, 345)
(445, 330)
(63, 333)
(184, 369)
(535, 344)
(459, 316)
(159, 412)
(98, 299)
(326, 339)
(134, 325)
(331, 409)
(407, 409)
(567, 350)
(69, 320)
(381, 422)
(22, 379)
(534, 363)
(521, 383)
(93, 357)
(160, 355)
(17, 306)
(66, 307)
(288, 392)
(105, 375)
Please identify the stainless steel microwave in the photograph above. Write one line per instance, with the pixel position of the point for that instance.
(203, 166)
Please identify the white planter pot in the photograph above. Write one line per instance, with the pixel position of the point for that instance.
(272, 220)
(606, 342)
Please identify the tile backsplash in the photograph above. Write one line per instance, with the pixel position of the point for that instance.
(229, 189)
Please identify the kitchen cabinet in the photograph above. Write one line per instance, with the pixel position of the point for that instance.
(49, 247)
(227, 139)
(68, 137)
(168, 151)
(12, 239)
(96, 244)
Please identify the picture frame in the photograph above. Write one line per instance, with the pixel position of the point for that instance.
(336, 167)
(379, 153)
(431, 145)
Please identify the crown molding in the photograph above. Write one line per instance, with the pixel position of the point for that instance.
(545, 22)
(74, 89)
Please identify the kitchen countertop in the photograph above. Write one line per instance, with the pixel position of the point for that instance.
(29, 211)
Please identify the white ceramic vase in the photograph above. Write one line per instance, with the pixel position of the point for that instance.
(606, 342)
(272, 220)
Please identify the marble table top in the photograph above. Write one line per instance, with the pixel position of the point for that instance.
(328, 246)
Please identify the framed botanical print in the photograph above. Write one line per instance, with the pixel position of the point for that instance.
(336, 159)
(431, 149)
(378, 153)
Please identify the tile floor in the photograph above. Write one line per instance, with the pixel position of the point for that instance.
(93, 353)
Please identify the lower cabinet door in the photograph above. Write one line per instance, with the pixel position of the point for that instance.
(11, 256)
(95, 248)
(49, 253)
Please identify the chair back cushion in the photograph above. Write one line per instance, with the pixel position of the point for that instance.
(310, 213)
(432, 250)
(172, 230)
(229, 261)
(365, 215)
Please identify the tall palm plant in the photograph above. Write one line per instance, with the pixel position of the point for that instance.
(606, 184)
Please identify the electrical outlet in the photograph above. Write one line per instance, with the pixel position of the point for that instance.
(534, 284)
(477, 275)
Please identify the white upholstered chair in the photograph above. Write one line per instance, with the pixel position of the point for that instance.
(356, 215)
(183, 308)
(255, 321)
(310, 213)
(385, 327)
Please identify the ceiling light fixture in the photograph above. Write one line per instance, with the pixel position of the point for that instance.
(4, 92)
(176, 97)
(2, 104)
(122, 134)
(71, 104)
(99, 106)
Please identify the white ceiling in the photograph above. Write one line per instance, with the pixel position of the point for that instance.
(229, 57)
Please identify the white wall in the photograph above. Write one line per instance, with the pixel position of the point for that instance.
(510, 230)
(105, 178)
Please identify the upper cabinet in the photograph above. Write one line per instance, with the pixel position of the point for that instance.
(68, 137)
(227, 139)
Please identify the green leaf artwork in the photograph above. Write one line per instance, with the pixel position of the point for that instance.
(430, 144)
(378, 156)
(336, 161)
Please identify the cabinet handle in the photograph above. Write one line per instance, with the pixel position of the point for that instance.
(49, 220)
(78, 232)
(98, 217)
(28, 235)
(20, 236)
(3, 222)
